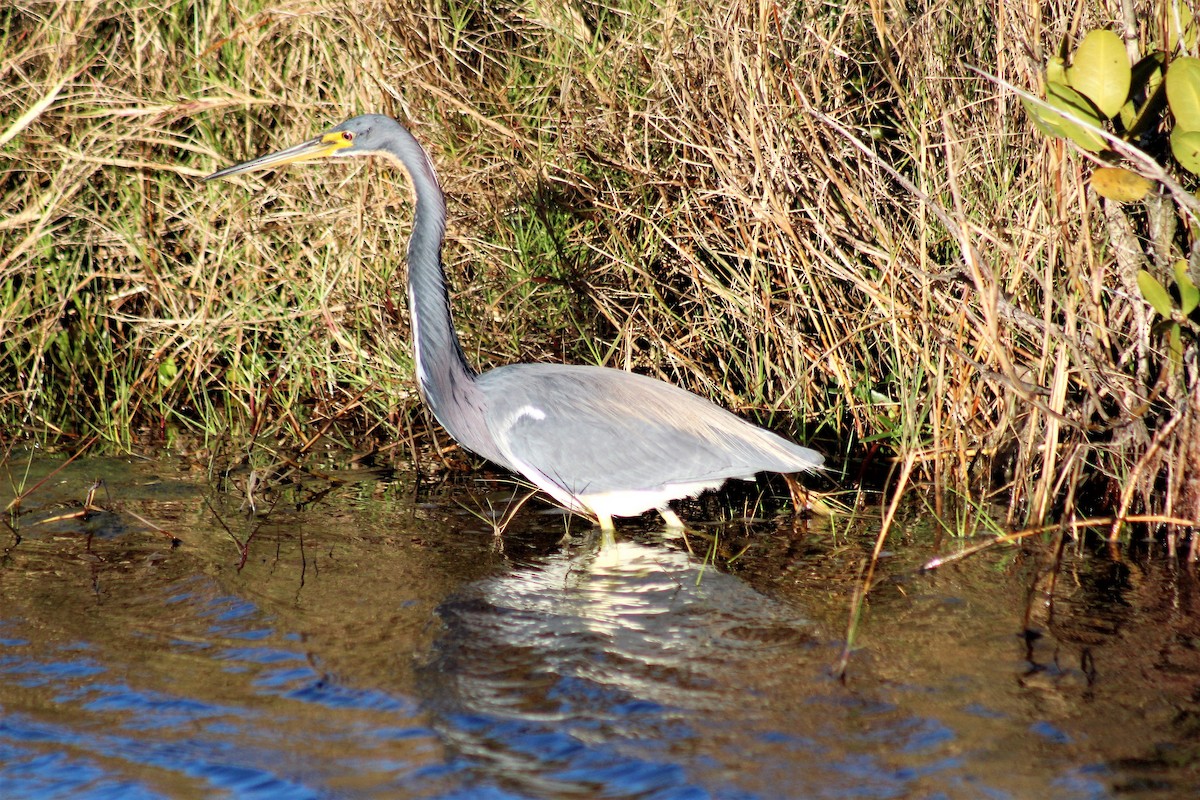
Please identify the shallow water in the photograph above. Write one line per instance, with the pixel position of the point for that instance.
(380, 644)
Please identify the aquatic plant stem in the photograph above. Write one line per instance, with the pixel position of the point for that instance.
(864, 587)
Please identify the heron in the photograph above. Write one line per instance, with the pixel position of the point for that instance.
(600, 441)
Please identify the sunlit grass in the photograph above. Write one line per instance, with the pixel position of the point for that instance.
(646, 185)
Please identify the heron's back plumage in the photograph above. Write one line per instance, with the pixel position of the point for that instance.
(594, 431)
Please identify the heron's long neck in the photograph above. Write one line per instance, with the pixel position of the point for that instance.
(447, 381)
(439, 357)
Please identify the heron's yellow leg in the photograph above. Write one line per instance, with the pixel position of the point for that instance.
(608, 532)
(672, 519)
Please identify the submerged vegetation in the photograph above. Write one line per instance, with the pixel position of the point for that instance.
(827, 217)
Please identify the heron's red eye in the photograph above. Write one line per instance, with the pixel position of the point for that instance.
(347, 136)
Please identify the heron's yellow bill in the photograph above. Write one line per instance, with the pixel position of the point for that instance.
(321, 147)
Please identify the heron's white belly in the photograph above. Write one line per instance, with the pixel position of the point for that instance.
(632, 502)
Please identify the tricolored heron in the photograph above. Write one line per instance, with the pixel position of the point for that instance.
(600, 441)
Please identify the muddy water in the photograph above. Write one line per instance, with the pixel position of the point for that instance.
(382, 642)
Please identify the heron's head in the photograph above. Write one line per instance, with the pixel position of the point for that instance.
(357, 136)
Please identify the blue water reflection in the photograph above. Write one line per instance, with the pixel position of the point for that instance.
(388, 649)
(597, 672)
(86, 726)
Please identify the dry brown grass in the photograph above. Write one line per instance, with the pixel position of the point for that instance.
(653, 185)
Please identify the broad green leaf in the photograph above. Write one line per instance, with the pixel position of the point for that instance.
(1066, 99)
(1100, 71)
(1185, 146)
(1119, 184)
(1154, 293)
(1128, 114)
(1056, 70)
(1183, 92)
(1175, 345)
(1189, 295)
(1148, 73)
(1045, 120)
(1147, 84)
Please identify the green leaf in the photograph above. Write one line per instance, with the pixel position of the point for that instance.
(1064, 98)
(1185, 146)
(1189, 295)
(1051, 123)
(1147, 84)
(1043, 119)
(1154, 293)
(1100, 71)
(1183, 92)
(1175, 345)
(1056, 70)
(1148, 73)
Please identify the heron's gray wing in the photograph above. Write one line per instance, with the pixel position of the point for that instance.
(593, 430)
